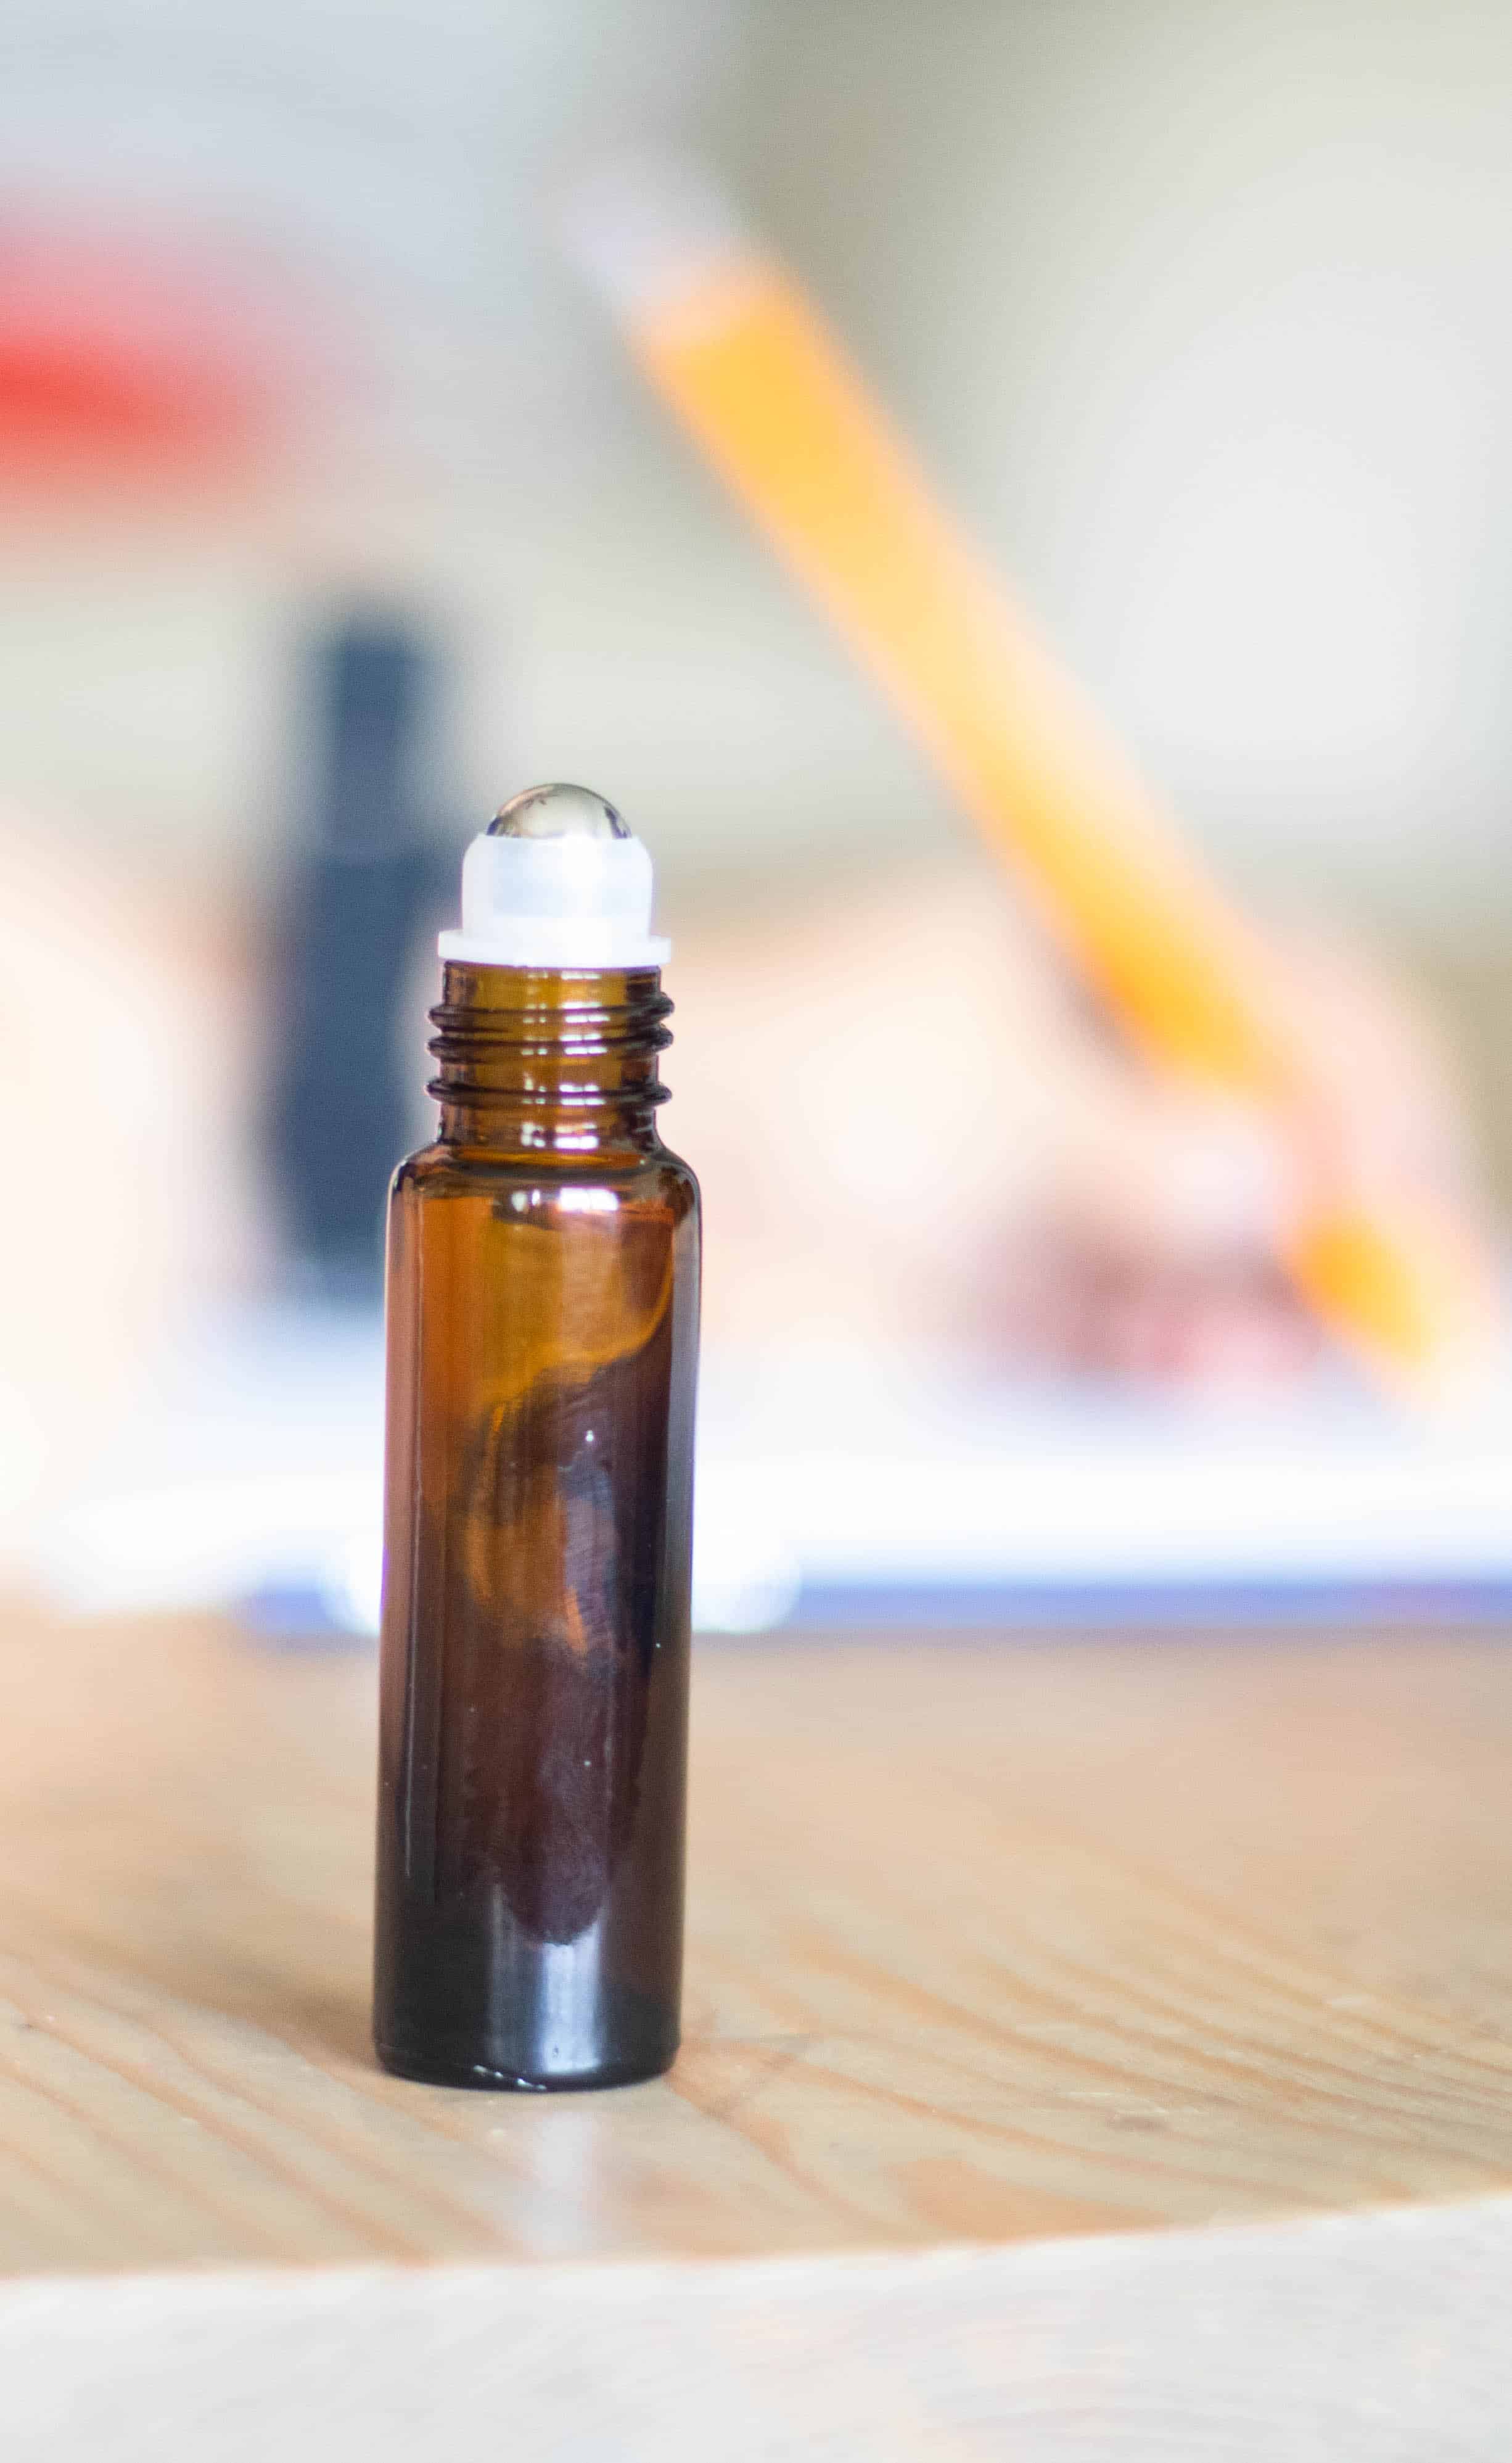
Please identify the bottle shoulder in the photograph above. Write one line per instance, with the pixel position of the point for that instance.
(439, 1173)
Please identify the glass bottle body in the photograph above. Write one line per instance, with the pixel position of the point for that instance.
(543, 1332)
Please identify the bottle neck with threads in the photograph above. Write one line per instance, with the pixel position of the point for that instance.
(550, 1061)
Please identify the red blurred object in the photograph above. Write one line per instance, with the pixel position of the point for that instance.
(128, 357)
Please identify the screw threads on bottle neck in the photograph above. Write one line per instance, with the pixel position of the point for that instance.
(549, 1060)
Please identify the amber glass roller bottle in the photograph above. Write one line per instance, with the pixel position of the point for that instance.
(543, 1267)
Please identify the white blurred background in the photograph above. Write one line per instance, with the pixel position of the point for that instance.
(1196, 316)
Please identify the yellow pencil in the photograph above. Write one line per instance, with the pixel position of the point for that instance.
(730, 342)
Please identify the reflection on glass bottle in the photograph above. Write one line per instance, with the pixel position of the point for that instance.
(562, 1533)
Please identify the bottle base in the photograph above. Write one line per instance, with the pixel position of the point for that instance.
(479, 2075)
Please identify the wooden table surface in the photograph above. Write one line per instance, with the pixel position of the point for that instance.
(1011, 1966)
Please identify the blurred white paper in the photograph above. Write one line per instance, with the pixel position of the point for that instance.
(826, 1495)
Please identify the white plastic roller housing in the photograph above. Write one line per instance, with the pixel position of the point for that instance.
(556, 880)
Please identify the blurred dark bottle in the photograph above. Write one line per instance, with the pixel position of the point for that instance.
(367, 876)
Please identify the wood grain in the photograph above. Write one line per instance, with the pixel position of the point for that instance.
(988, 1943)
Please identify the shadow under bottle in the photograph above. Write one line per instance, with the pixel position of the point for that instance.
(543, 1332)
